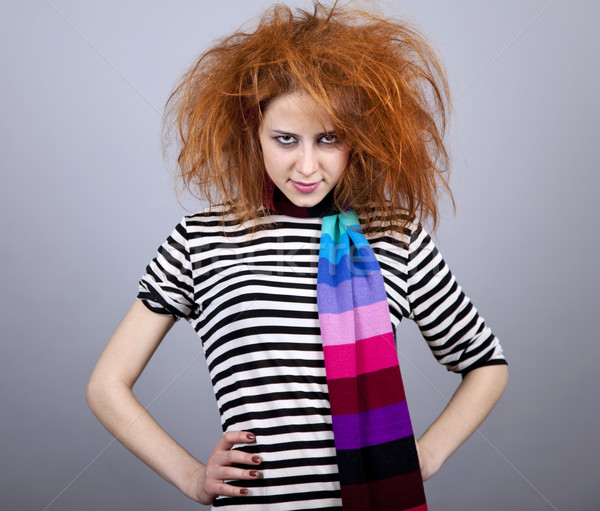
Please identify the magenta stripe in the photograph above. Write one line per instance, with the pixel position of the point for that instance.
(372, 427)
(360, 323)
(375, 353)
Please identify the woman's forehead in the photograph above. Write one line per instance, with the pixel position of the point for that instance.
(297, 108)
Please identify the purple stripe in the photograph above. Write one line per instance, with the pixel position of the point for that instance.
(350, 293)
(372, 427)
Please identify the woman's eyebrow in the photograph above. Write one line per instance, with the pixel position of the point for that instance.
(283, 132)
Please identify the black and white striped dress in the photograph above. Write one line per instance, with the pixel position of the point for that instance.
(251, 297)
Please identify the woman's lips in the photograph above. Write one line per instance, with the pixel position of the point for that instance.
(305, 187)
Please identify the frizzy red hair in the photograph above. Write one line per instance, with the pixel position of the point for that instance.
(379, 82)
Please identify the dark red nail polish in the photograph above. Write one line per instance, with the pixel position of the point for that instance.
(254, 473)
(255, 459)
(243, 491)
(251, 436)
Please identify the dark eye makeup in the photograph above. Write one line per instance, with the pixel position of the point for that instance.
(287, 140)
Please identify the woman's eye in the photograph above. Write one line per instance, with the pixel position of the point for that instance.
(285, 139)
(330, 139)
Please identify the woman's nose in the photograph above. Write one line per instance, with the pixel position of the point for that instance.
(308, 164)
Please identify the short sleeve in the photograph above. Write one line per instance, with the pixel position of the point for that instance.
(168, 286)
(449, 322)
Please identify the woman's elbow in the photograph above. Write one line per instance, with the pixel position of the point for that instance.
(102, 390)
(95, 393)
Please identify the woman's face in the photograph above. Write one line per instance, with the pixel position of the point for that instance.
(304, 160)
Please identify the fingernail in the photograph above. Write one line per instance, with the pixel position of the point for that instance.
(254, 473)
(243, 491)
(255, 459)
(250, 436)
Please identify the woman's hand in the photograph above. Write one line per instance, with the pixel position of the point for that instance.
(426, 462)
(208, 481)
(470, 405)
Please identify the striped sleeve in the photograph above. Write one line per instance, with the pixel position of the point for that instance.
(449, 322)
(167, 287)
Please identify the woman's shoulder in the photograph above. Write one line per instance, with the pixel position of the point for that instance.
(210, 213)
(213, 221)
(395, 225)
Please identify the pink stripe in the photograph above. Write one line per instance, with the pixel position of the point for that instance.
(368, 321)
(366, 356)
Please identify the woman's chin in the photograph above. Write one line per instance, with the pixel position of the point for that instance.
(306, 200)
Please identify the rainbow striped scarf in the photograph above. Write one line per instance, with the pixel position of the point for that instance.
(374, 442)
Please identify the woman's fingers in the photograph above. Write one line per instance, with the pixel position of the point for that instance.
(231, 438)
(220, 489)
(220, 466)
(235, 457)
(233, 473)
(224, 456)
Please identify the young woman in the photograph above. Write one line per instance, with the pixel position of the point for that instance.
(317, 140)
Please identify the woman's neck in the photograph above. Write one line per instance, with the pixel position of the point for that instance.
(283, 206)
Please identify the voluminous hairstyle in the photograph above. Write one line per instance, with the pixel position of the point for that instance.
(377, 79)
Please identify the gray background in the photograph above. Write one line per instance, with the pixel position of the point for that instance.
(86, 198)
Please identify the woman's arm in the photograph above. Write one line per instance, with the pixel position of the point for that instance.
(460, 339)
(110, 395)
(472, 402)
(111, 398)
